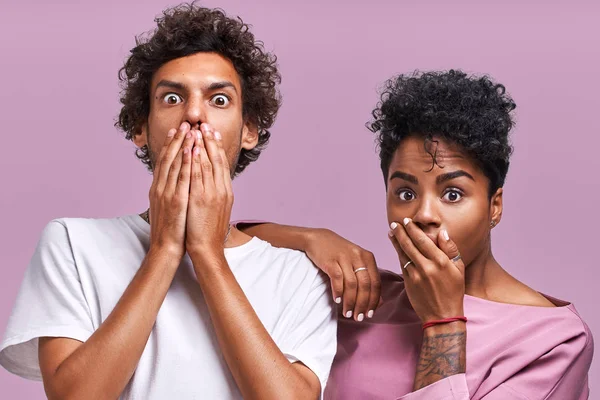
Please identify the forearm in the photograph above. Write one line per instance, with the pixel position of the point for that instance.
(101, 367)
(443, 353)
(259, 368)
(290, 237)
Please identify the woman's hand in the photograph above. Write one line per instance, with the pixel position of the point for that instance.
(434, 283)
(355, 279)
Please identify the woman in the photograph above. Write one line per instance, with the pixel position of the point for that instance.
(444, 150)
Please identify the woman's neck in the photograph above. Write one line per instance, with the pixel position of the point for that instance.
(483, 275)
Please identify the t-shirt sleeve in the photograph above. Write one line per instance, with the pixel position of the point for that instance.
(312, 336)
(50, 303)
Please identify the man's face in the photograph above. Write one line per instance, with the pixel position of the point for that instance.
(454, 198)
(200, 88)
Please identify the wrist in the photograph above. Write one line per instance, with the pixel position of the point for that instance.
(165, 256)
(309, 239)
(206, 254)
(446, 328)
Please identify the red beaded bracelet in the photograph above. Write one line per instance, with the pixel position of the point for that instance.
(443, 321)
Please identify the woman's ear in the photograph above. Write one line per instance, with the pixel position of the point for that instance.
(496, 207)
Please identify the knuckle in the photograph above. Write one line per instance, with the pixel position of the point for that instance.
(369, 257)
(351, 284)
(376, 285)
(441, 260)
(356, 251)
(335, 273)
(364, 284)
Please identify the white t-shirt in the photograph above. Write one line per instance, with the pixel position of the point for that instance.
(81, 267)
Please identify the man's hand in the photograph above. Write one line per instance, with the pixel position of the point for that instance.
(169, 192)
(211, 195)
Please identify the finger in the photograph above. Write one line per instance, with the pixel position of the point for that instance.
(164, 162)
(422, 242)
(450, 248)
(206, 167)
(402, 257)
(375, 293)
(363, 291)
(225, 162)
(170, 137)
(336, 277)
(196, 183)
(350, 289)
(407, 246)
(173, 180)
(182, 188)
(214, 155)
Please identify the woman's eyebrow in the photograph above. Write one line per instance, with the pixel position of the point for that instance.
(453, 175)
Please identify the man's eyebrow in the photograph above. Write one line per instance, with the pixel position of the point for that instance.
(453, 175)
(407, 177)
(220, 85)
(171, 85)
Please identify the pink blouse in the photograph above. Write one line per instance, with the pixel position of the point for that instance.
(513, 352)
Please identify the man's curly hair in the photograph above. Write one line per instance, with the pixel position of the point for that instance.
(189, 29)
(472, 112)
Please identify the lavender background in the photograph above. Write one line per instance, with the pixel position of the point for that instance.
(61, 155)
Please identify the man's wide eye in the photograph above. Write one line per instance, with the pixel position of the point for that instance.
(220, 100)
(172, 98)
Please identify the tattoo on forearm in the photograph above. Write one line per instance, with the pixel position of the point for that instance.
(441, 356)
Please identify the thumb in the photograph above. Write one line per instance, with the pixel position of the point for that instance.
(449, 248)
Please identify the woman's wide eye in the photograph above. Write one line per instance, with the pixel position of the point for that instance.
(406, 195)
(220, 100)
(452, 196)
(172, 98)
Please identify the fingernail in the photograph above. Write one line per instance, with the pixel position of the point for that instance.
(349, 314)
(188, 135)
(338, 300)
(393, 225)
(217, 135)
(184, 126)
(390, 233)
(207, 133)
(172, 132)
(198, 135)
(406, 221)
(360, 317)
(445, 234)
(370, 314)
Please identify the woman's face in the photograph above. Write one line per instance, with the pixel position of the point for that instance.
(451, 194)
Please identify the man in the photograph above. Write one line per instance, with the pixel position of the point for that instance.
(174, 303)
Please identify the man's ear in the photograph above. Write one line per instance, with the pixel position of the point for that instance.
(140, 137)
(496, 207)
(249, 135)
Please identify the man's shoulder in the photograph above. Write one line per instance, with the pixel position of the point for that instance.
(78, 229)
